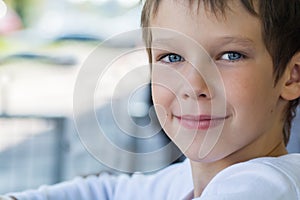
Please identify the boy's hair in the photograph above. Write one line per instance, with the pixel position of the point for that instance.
(280, 21)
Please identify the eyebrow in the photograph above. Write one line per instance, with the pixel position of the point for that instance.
(223, 40)
(236, 40)
(217, 43)
(166, 41)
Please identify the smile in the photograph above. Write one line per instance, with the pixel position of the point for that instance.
(201, 122)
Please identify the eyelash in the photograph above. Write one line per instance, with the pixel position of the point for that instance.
(161, 58)
(241, 56)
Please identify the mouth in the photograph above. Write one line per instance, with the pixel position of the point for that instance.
(200, 122)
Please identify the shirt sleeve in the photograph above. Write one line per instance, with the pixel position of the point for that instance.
(92, 187)
(109, 187)
(249, 181)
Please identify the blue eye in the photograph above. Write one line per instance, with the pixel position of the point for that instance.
(171, 58)
(232, 56)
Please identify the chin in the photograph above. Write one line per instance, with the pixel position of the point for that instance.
(210, 157)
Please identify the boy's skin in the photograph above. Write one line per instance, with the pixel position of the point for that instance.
(255, 106)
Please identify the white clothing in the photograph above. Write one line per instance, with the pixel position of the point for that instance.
(259, 179)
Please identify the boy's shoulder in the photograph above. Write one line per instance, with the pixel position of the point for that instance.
(287, 165)
(261, 178)
(281, 160)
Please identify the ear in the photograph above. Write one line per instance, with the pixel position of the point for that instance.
(291, 87)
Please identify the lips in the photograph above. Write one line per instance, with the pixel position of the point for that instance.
(200, 122)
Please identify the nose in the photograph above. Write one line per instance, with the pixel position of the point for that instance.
(194, 86)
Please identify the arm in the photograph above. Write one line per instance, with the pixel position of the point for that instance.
(7, 198)
(92, 187)
(166, 184)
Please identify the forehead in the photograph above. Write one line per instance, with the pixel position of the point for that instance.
(202, 24)
(195, 9)
(217, 7)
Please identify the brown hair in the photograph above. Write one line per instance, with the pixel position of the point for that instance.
(280, 30)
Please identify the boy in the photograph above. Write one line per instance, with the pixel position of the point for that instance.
(227, 104)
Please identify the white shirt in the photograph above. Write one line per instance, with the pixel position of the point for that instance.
(259, 179)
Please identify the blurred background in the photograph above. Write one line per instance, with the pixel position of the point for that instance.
(43, 45)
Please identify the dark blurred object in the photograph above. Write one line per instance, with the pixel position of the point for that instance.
(130, 124)
(49, 59)
(78, 37)
(294, 143)
(41, 153)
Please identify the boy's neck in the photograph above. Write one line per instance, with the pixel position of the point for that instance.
(203, 174)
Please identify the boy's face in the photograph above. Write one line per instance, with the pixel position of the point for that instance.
(215, 109)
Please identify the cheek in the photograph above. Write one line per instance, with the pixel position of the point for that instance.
(250, 91)
(162, 99)
(164, 81)
(250, 86)
(252, 100)
(162, 96)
